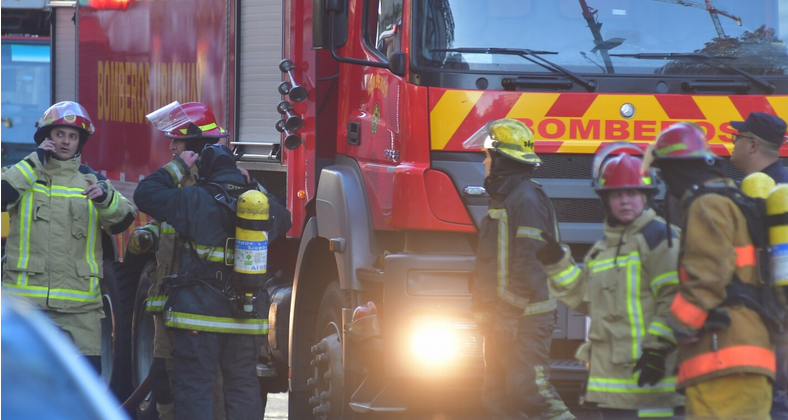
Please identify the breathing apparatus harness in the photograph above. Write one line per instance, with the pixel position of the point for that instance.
(767, 299)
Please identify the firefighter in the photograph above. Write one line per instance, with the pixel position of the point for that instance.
(626, 285)
(511, 302)
(209, 328)
(756, 148)
(59, 212)
(726, 357)
(160, 237)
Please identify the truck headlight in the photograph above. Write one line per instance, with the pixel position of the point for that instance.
(436, 341)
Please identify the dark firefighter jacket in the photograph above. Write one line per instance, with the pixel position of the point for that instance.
(197, 301)
(507, 276)
(716, 245)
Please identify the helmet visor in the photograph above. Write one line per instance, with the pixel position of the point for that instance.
(480, 139)
(168, 117)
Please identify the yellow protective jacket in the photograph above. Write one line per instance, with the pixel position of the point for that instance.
(626, 286)
(54, 252)
(716, 245)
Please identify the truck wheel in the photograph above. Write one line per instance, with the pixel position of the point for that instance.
(142, 343)
(327, 382)
(115, 332)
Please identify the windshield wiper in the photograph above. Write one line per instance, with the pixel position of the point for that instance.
(530, 55)
(765, 85)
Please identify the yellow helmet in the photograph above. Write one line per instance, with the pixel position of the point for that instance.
(508, 137)
(757, 185)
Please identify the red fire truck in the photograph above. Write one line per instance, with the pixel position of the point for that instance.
(377, 97)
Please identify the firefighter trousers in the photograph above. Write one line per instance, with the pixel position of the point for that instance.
(743, 396)
(162, 370)
(516, 375)
(196, 357)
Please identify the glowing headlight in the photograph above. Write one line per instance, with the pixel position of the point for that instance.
(433, 341)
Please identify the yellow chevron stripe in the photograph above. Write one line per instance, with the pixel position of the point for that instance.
(780, 105)
(533, 106)
(450, 111)
(717, 109)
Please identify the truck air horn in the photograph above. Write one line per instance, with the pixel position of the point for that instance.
(297, 93)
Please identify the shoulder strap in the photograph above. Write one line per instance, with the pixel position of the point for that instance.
(227, 203)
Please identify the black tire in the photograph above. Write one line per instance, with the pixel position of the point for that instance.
(120, 283)
(115, 333)
(328, 331)
(142, 343)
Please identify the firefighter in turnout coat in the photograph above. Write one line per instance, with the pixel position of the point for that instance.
(59, 210)
(209, 326)
(626, 285)
(160, 237)
(726, 356)
(512, 305)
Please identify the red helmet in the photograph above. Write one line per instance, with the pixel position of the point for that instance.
(201, 123)
(624, 172)
(66, 113)
(682, 141)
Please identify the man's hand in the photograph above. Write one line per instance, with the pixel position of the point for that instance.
(95, 190)
(45, 149)
(550, 253)
(189, 157)
(651, 366)
(141, 241)
(245, 173)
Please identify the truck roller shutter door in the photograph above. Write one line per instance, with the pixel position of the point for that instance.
(64, 55)
(259, 53)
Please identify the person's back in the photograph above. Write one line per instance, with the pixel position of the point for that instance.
(757, 149)
(204, 310)
(726, 355)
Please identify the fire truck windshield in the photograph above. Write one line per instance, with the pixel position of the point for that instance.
(601, 37)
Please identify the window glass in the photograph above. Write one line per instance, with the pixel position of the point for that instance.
(385, 25)
(587, 35)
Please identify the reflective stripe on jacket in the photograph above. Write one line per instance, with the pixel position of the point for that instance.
(507, 273)
(54, 252)
(717, 245)
(626, 286)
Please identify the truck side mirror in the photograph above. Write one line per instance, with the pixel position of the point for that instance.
(398, 63)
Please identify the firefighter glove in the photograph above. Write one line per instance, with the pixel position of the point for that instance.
(651, 366)
(505, 328)
(141, 241)
(550, 253)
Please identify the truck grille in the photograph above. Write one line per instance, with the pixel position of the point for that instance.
(567, 166)
(575, 210)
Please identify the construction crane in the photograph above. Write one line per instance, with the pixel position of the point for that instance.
(713, 11)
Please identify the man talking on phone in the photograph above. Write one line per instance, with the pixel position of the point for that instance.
(59, 212)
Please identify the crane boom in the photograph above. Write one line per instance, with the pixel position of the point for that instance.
(713, 12)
